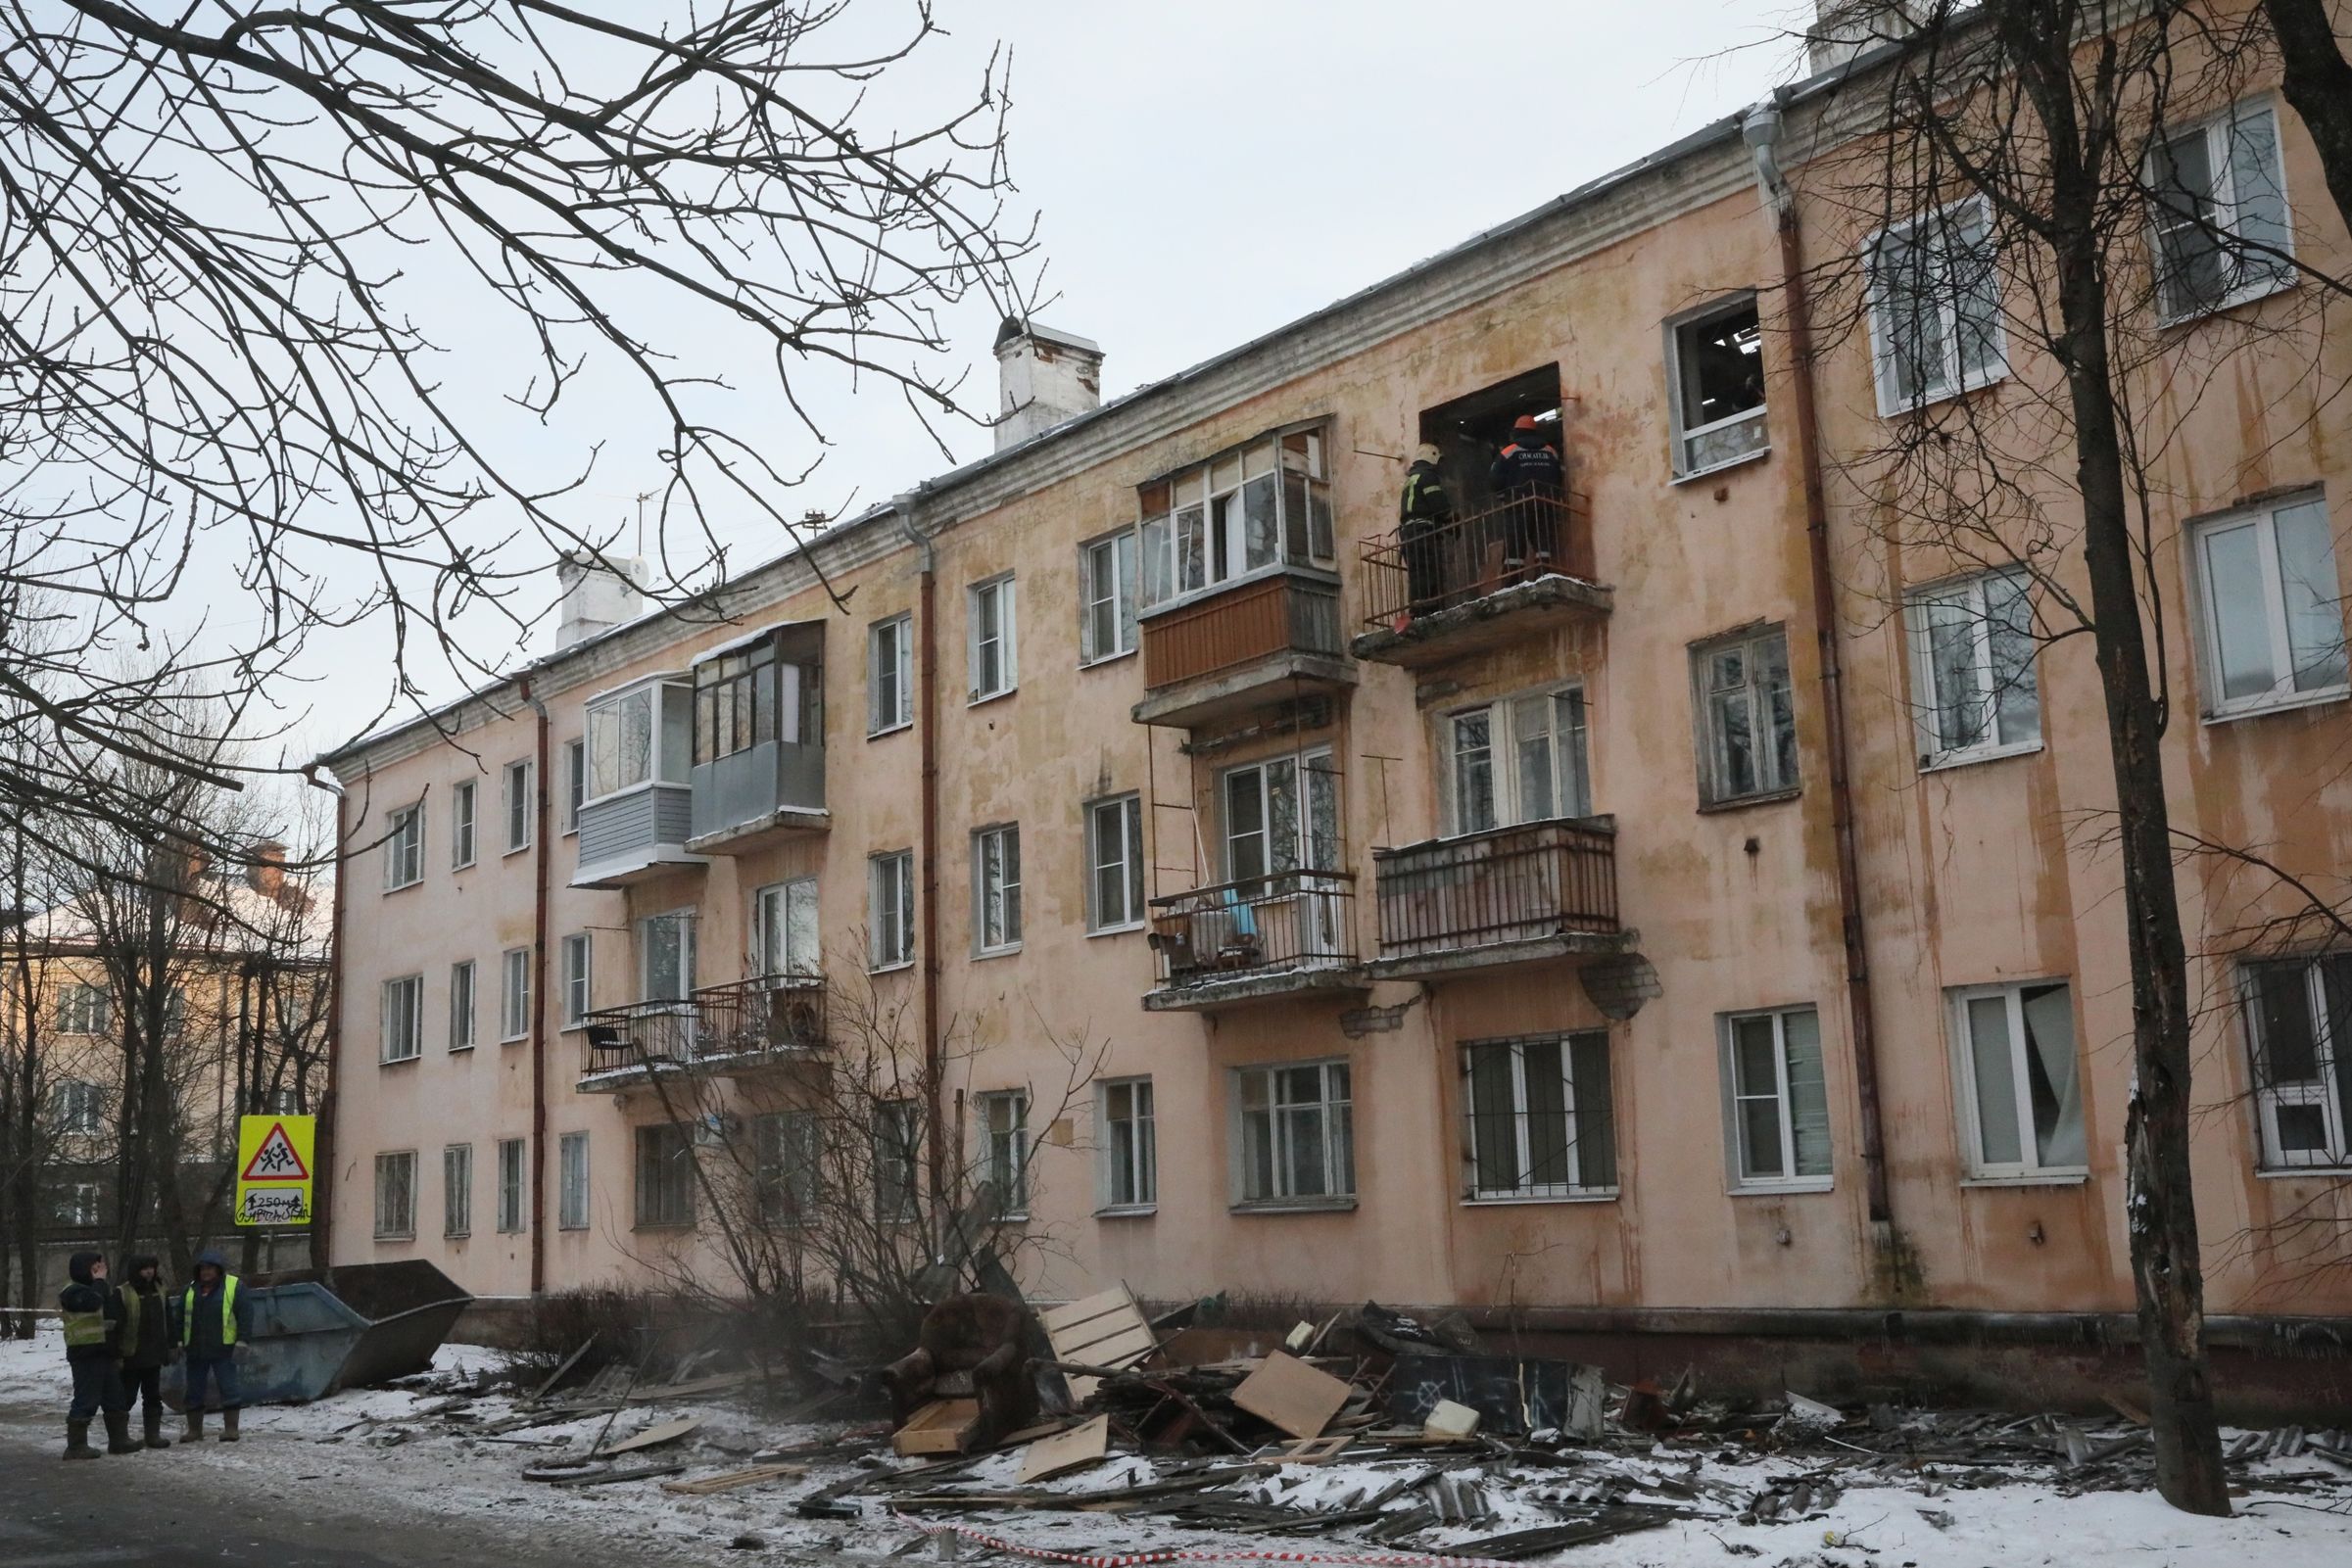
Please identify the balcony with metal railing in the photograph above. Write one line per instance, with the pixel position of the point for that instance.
(731, 1030)
(1256, 940)
(1508, 895)
(1437, 592)
(1262, 639)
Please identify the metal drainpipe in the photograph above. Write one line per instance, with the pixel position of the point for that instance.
(323, 1158)
(538, 995)
(927, 733)
(1761, 131)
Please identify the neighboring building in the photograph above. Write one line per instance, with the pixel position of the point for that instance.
(1456, 939)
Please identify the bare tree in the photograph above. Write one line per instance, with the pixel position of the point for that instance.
(28, 1133)
(2317, 81)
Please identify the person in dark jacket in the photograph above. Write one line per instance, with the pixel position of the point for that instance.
(1423, 513)
(210, 1322)
(1529, 476)
(92, 1316)
(145, 1341)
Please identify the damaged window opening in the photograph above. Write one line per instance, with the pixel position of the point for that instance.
(2022, 1089)
(1541, 1124)
(2298, 1012)
(1717, 366)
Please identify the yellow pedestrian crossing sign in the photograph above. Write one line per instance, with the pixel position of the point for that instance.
(274, 1169)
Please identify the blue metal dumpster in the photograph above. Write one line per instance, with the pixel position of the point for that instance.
(367, 1324)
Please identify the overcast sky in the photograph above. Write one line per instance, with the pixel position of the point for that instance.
(1205, 170)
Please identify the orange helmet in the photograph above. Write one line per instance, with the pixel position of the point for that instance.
(1524, 425)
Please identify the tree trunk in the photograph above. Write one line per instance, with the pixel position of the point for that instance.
(2317, 82)
(2167, 1267)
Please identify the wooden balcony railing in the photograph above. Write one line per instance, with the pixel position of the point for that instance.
(1282, 611)
(1295, 919)
(768, 1015)
(1526, 882)
(1420, 569)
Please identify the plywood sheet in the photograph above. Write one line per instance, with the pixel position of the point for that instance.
(1295, 1396)
(1081, 1445)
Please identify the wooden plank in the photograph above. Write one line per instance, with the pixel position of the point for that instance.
(652, 1437)
(1131, 1342)
(1107, 1329)
(1091, 1307)
(1291, 1395)
(1313, 1451)
(943, 1426)
(732, 1478)
(557, 1376)
(1081, 1445)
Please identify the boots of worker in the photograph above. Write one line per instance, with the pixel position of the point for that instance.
(228, 1425)
(117, 1433)
(153, 1415)
(78, 1442)
(195, 1431)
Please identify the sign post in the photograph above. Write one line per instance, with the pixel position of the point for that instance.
(274, 1169)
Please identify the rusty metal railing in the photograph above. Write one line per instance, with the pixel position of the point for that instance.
(1506, 884)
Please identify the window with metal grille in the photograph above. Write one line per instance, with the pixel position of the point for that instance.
(2299, 1030)
(396, 1195)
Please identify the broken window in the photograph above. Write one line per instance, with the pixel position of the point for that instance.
(1778, 1099)
(2298, 1022)
(1540, 1120)
(2023, 1089)
(1262, 504)
(1718, 384)
(1298, 1133)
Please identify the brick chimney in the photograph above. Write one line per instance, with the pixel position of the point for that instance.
(267, 875)
(1045, 376)
(1844, 30)
(597, 597)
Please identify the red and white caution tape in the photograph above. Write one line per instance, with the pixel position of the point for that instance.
(1138, 1559)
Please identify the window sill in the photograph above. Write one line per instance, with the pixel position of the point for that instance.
(889, 729)
(2030, 1178)
(2227, 302)
(1294, 1205)
(513, 850)
(460, 1050)
(404, 887)
(891, 968)
(571, 1028)
(1100, 660)
(663, 1224)
(1928, 400)
(399, 1061)
(983, 954)
(1127, 1211)
(2256, 707)
(1781, 1189)
(457, 1235)
(410, 1236)
(515, 1039)
(1707, 808)
(1693, 476)
(1506, 1200)
(1945, 761)
(2333, 1172)
(981, 699)
(1126, 928)
(462, 864)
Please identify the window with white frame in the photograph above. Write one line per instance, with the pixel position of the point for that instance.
(1540, 1122)
(83, 1008)
(665, 1176)
(890, 909)
(74, 1202)
(404, 848)
(2021, 1087)
(1715, 373)
(2220, 219)
(1298, 1133)
(401, 1018)
(640, 736)
(462, 1005)
(666, 943)
(1115, 863)
(512, 1173)
(2272, 614)
(571, 1181)
(76, 1109)
(514, 994)
(785, 929)
(898, 1145)
(997, 888)
(786, 1153)
(1003, 1115)
(2299, 1031)
(396, 1195)
(1266, 831)
(1934, 307)
(1776, 1098)
(578, 958)
(1747, 717)
(1519, 760)
(1107, 598)
(283, 1101)
(463, 797)
(1130, 1146)
(575, 783)
(1259, 505)
(890, 675)
(1972, 657)
(522, 803)
(994, 643)
(458, 1189)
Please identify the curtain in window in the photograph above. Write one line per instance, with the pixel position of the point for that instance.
(2056, 1084)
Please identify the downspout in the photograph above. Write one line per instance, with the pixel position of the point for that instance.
(539, 994)
(1761, 131)
(323, 1158)
(907, 504)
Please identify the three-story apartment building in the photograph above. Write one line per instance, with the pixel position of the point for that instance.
(1459, 911)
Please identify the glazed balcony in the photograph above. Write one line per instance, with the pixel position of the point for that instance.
(1508, 895)
(1258, 940)
(1438, 594)
(732, 1029)
(1255, 642)
(758, 774)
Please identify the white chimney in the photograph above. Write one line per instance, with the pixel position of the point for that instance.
(596, 597)
(1844, 30)
(1045, 377)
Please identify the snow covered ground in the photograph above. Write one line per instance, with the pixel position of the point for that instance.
(372, 1451)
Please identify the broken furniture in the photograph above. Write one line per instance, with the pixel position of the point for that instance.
(968, 1351)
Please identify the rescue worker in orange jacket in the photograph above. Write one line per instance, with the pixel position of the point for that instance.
(1529, 482)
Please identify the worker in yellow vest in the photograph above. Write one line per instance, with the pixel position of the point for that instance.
(92, 1317)
(211, 1323)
